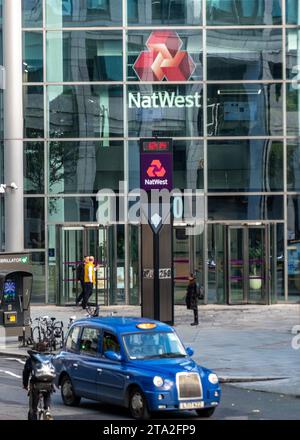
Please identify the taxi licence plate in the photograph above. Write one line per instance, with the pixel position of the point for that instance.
(191, 405)
(12, 318)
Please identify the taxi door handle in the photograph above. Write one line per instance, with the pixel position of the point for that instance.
(75, 365)
(99, 370)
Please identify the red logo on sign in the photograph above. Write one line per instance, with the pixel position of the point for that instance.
(156, 169)
(164, 59)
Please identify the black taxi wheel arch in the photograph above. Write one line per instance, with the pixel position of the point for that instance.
(137, 404)
(67, 393)
(205, 412)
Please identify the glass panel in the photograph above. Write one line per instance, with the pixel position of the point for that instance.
(181, 263)
(245, 208)
(72, 209)
(244, 110)
(33, 112)
(277, 262)
(60, 13)
(236, 265)
(154, 110)
(244, 54)
(38, 285)
(85, 111)
(293, 109)
(188, 165)
(215, 264)
(257, 269)
(34, 223)
(134, 265)
(293, 54)
(292, 12)
(32, 56)
(34, 168)
(293, 247)
(245, 165)
(243, 12)
(164, 12)
(32, 13)
(293, 165)
(85, 167)
(84, 56)
(53, 264)
(146, 56)
(71, 254)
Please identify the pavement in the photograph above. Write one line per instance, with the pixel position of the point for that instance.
(252, 347)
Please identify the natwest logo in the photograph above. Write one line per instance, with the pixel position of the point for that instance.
(156, 169)
(164, 59)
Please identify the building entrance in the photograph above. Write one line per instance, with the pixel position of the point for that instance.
(73, 243)
(248, 264)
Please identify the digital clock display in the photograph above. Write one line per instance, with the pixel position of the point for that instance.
(156, 145)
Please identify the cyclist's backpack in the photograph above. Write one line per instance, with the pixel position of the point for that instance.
(80, 271)
(42, 369)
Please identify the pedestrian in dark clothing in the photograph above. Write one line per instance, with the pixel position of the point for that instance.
(192, 297)
(80, 278)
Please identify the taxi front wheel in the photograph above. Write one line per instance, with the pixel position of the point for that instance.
(67, 393)
(138, 405)
(206, 412)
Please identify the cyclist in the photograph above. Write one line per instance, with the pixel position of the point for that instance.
(38, 377)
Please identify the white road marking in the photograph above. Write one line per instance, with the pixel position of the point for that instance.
(10, 373)
(15, 359)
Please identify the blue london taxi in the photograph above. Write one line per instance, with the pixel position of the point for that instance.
(134, 362)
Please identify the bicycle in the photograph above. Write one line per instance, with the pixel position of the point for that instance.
(42, 413)
(92, 311)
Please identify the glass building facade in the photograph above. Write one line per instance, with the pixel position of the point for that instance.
(235, 131)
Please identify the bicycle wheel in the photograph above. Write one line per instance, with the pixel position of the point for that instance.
(36, 334)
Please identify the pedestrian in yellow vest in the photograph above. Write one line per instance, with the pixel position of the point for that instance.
(89, 280)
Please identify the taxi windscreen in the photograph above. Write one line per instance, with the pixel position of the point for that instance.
(150, 345)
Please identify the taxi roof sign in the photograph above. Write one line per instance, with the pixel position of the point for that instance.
(146, 325)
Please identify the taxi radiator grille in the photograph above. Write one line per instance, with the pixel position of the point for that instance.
(189, 386)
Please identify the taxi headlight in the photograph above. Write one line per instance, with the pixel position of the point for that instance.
(158, 381)
(213, 378)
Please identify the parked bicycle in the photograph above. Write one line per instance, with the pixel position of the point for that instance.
(49, 331)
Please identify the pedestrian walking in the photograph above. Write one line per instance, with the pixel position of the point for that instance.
(80, 278)
(192, 296)
(89, 281)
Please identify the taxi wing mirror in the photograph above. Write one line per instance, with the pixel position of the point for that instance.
(113, 356)
(189, 351)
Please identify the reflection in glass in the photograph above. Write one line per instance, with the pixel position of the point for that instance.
(244, 110)
(164, 118)
(293, 247)
(244, 54)
(191, 41)
(85, 167)
(292, 12)
(215, 263)
(166, 12)
(85, 111)
(293, 54)
(293, 165)
(72, 209)
(84, 56)
(32, 13)
(34, 167)
(32, 56)
(243, 12)
(293, 109)
(256, 207)
(38, 284)
(33, 112)
(87, 13)
(34, 223)
(245, 165)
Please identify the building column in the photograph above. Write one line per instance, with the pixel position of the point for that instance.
(13, 125)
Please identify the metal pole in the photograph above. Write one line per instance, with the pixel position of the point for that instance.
(13, 125)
